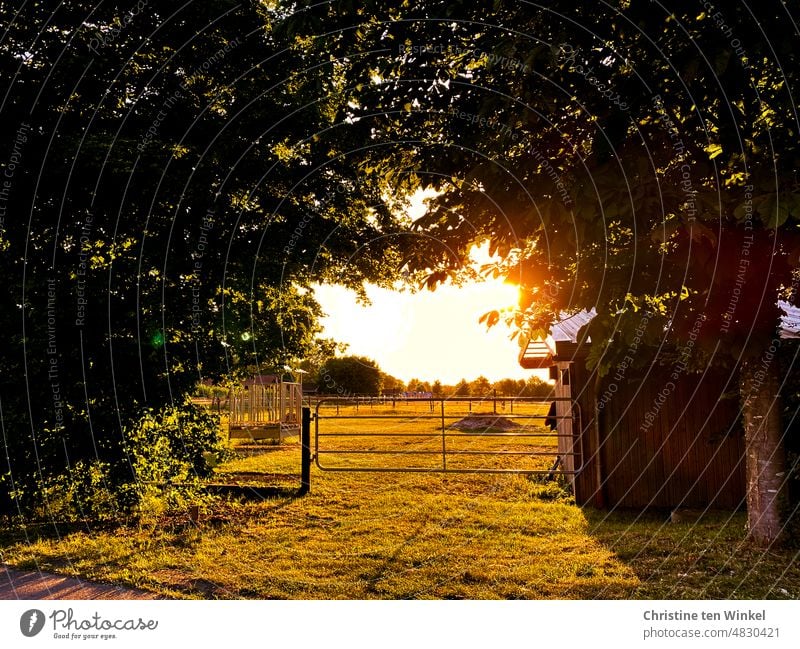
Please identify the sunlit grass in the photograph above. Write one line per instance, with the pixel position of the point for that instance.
(359, 536)
(414, 535)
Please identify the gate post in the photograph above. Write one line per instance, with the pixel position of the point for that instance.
(305, 452)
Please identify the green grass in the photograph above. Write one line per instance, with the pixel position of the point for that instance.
(404, 535)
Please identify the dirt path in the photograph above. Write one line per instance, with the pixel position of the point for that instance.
(19, 584)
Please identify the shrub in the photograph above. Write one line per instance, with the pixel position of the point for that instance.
(85, 492)
(171, 451)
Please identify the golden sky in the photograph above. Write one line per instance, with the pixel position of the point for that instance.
(427, 335)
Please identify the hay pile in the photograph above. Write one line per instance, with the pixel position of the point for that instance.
(485, 421)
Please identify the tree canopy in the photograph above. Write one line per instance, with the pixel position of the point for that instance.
(350, 376)
(176, 177)
(634, 157)
(623, 156)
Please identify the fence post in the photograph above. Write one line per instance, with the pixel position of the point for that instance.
(305, 452)
(444, 441)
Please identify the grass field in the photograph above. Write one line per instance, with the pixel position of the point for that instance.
(414, 535)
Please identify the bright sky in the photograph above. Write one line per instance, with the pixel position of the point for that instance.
(427, 335)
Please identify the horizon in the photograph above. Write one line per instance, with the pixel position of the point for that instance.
(427, 335)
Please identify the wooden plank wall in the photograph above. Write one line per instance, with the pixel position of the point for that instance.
(586, 483)
(563, 413)
(692, 455)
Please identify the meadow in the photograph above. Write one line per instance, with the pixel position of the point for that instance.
(365, 535)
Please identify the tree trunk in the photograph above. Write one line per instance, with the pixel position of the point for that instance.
(765, 469)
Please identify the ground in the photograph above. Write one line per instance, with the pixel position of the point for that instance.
(413, 535)
(16, 584)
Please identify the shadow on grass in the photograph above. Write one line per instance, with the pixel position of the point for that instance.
(697, 557)
(391, 562)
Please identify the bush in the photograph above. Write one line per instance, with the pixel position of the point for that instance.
(83, 493)
(171, 451)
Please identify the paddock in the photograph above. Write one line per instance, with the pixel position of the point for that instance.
(437, 435)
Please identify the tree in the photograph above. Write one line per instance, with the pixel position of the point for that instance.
(351, 375)
(535, 387)
(462, 389)
(323, 350)
(391, 384)
(631, 157)
(480, 387)
(507, 388)
(178, 207)
(415, 385)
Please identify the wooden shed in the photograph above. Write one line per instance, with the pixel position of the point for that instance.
(643, 439)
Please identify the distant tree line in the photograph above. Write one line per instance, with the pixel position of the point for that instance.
(358, 375)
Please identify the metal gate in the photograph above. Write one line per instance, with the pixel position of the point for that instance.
(453, 435)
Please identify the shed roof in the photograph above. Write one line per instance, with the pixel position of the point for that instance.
(790, 321)
(566, 329)
(539, 354)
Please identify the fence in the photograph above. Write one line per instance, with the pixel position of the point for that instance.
(437, 435)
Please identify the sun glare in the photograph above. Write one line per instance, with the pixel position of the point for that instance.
(427, 335)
